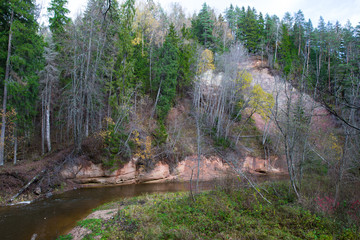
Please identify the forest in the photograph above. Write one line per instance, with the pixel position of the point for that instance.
(104, 84)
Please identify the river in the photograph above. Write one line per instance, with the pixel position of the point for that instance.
(58, 214)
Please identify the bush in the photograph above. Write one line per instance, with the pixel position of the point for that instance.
(160, 134)
(116, 145)
(222, 142)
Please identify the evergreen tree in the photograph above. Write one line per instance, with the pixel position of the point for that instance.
(166, 70)
(286, 51)
(261, 26)
(230, 17)
(261, 33)
(125, 61)
(24, 61)
(251, 34)
(299, 30)
(203, 27)
(141, 64)
(186, 60)
(58, 20)
(240, 22)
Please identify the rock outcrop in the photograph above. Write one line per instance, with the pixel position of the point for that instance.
(85, 172)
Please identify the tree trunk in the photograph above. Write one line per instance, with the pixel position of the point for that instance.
(42, 125)
(299, 41)
(308, 57)
(15, 144)
(157, 99)
(87, 84)
(329, 72)
(7, 72)
(198, 150)
(197, 96)
(276, 43)
(47, 121)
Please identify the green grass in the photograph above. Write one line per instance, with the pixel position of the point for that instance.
(65, 237)
(238, 214)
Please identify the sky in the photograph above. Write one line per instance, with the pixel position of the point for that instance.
(330, 10)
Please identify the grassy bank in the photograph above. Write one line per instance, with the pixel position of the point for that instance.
(218, 214)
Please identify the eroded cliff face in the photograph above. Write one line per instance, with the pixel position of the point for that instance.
(87, 173)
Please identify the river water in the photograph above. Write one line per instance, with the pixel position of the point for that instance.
(58, 214)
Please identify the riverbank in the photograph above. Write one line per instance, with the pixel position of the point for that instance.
(224, 213)
(43, 174)
(61, 171)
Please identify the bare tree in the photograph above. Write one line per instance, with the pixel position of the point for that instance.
(49, 78)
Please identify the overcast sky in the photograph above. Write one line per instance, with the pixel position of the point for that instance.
(330, 10)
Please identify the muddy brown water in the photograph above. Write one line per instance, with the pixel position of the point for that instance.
(57, 215)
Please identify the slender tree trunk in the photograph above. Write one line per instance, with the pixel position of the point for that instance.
(226, 28)
(198, 149)
(329, 79)
(87, 83)
(319, 64)
(276, 43)
(123, 75)
(308, 58)
(142, 42)
(150, 70)
(47, 121)
(299, 41)
(77, 102)
(15, 144)
(7, 73)
(150, 57)
(197, 96)
(157, 99)
(42, 125)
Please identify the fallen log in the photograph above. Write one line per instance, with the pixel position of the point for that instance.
(26, 186)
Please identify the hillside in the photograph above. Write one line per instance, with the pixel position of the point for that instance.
(174, 161)
(129, 93)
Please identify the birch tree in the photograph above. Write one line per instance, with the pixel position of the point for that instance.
(49, 80)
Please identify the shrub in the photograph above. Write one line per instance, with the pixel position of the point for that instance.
(160, 134)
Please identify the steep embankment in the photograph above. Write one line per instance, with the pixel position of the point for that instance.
(63, 171)
(284, 93)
